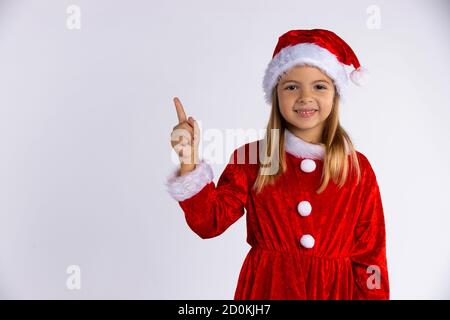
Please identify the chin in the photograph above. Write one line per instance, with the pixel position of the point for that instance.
(304, 124)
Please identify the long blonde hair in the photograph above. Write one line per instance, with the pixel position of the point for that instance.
(336, 165)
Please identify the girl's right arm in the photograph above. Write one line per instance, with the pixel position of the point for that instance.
(209, 209)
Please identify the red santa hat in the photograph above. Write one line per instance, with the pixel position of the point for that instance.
(317, 47)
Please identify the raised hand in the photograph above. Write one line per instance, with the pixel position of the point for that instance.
(185, 139)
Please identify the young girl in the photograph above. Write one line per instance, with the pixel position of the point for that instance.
(315, 219)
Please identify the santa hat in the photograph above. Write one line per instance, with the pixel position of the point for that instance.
(317, 47)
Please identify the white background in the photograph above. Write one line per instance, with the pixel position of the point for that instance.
(86, 116)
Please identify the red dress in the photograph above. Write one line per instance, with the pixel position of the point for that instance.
(304, 245)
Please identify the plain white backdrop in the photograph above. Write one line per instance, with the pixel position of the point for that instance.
(86, 116)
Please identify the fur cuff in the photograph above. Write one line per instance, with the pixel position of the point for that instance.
(186, 186)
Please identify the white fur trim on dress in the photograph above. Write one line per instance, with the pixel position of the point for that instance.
(188, 185)
(301, 54)
(302, 149)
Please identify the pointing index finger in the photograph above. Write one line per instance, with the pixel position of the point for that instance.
(180, 110)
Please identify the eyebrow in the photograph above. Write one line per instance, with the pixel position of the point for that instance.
(320, 80)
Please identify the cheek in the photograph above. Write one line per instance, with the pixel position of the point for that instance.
(326, 105)
(326, 101)
(283, 109)
(325, 112)
(284, 103)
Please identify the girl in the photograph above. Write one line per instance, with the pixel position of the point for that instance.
(315, 219)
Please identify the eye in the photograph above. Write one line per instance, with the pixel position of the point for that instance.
(290, 86)
(321, 87)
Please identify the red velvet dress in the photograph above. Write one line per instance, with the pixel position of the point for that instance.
(304, 245)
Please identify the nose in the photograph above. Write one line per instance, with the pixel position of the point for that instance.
(305, 98)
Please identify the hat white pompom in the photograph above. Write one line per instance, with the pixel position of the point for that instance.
(360, 76)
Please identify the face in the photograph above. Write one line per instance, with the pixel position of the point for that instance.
(305, 96)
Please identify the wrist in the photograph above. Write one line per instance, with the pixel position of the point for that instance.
(186, 168)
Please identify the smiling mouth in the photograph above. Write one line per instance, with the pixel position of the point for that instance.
(306, 113)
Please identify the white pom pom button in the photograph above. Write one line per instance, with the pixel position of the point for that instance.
(304, 208)
(308, 165)
(307, 241)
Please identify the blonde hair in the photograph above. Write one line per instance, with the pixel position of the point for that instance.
(336, 165)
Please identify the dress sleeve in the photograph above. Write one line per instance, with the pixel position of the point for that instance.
(209, 209)
(368, 255)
